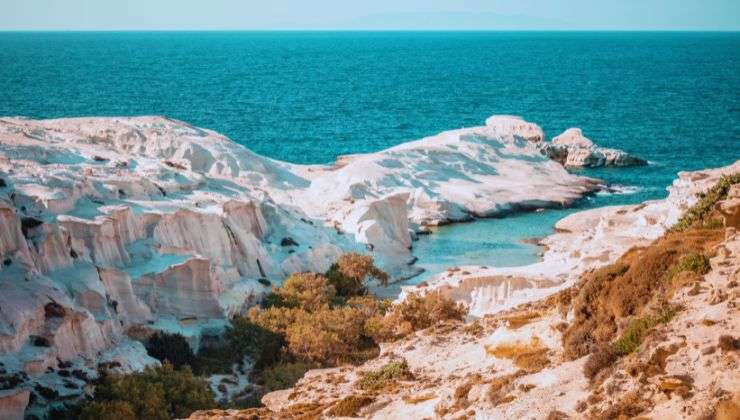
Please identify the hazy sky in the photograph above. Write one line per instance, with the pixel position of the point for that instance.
(370, 14)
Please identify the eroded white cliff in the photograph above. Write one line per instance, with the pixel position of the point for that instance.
(111, 225)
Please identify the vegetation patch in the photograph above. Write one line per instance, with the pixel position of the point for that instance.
(699, 211)
(385, 377)
(530, 356)
(172, 348)
(157, 393)
(692, 263)
(625, 288)
(630, 405)
(642, 278)
(520, 319)
(416, 312)
(350, 406)
(636, 330)
(416, 399)
(283, 375)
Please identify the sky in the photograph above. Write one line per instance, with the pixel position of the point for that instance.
(369, 14)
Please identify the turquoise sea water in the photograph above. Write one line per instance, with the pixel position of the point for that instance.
(671, 98)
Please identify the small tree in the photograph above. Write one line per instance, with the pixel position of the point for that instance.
(173, 348)
(349, 273)
(245, 338)
(307, 291)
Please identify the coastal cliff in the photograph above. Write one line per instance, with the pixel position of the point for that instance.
(632, 312)
(112, 229)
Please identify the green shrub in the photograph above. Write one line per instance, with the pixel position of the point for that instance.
(327, 336)
(637, 329)
(173, 348)
(349, 273)
(386, 376)
(696, 263)
(108, 410)
(157, 393)
(283, 375)
(243, 338)
(308, 291)
(706, 203)
(416, 312)
(261, 345)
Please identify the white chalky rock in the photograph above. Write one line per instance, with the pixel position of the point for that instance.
(573, 149)
(112, 224)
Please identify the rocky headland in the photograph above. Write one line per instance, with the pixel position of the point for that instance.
(112, 229)
(633, 312)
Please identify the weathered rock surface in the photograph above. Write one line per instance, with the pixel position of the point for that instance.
(460, 370)
(13, 403)
(573, 150)
(582, 241)
(108, 225)
(730, 208)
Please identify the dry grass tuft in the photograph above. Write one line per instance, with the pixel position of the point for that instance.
(729, 343)
(520, 319)
(678, 384)
(304, 411)
(474, 328)
(500, 388)
(385, 377)
(416, 399)
(627, 407)
(604, 356)
(530, 356)
(350, 406)
(627, 287)
(557, 415)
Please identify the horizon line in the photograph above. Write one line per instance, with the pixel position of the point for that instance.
(361, 30)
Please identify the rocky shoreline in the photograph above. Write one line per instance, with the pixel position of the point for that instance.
(509, 361)
(113, 228)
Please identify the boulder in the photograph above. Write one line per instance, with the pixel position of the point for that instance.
(572, 149)
(13, 403)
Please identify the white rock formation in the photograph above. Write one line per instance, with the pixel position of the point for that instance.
(112, 224)
(516, 126)
(573, 150)
(13, 403)
(581, 241)
(458, 373)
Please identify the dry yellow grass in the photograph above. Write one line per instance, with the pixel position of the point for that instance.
(728, 409)
(416, 399)
(520, 319)
(530, 356)
(350, 406)
(498, 391)
(624, 289)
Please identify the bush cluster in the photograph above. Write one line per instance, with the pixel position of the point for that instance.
(386, 376)
(330, 319)
(706, 202)
(157, 393)
(312, 320)
(172, 348)
(323, 318)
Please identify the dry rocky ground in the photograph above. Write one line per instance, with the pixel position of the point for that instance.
(654, 333)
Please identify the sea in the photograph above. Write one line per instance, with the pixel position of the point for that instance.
(672, 98)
